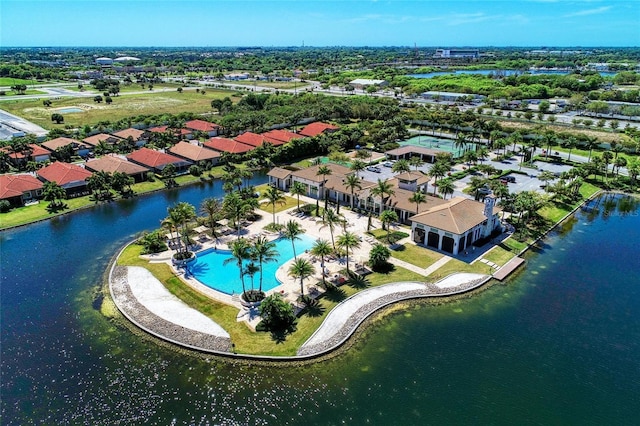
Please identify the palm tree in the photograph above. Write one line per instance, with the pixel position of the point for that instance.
(352, 182)
(298, 188)
(251, 270)
(53, 193)
(292, 232)
(212, 208)
(384, 190)
(235, 208)
(592, 142)
(240, 251)
(416, 161)
(321, 248)
(263, 251)
(438, 170)
(379, 255)
(302, 269)
(446, 187)
(274, 196)
(323, 171)
(358, 166)
(330, 220)
(401, 166)
(387, 217)
(569, 144)
(348, 240)
(418, 198)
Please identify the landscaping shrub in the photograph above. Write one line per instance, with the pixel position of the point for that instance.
(5, 206)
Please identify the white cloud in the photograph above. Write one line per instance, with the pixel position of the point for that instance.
(587, 12)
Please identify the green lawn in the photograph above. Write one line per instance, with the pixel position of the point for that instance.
(244, 339)
(123, 106)
(419, 256)
(499, 255)
(455, 265)
(8, 81)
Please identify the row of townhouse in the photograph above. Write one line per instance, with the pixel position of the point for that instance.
(448, 225)
(23, 188)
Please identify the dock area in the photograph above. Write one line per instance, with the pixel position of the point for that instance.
(508, 268)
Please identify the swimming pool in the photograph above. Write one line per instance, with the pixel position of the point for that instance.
(69, 110)
(211, 271)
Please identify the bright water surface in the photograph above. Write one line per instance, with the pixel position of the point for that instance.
(504, 72)
(211, 270)
(559, 344)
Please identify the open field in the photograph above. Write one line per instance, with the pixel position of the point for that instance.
(8, 81)
(272, 84)
(124, 106)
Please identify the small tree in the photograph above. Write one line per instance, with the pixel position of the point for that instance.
(379, 256)
(97, 99)
(57, 118)
(277, 313)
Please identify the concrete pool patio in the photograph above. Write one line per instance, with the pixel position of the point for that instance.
(148, 304)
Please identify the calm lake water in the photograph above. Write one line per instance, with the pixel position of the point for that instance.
(558, 344)
(504, 72)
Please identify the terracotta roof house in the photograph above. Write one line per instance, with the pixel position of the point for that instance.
(314, 129)
(18, 189)
(280, 137)
(157, 161)
(456, 224)
(113, 163)
(210, 129)
(96, 139)
(228, 145)
(407, 151)
(35, 153)
(179, 133)
(138, 136)
(71, 177)
(249, 138)
(79, 148)
(195, 153)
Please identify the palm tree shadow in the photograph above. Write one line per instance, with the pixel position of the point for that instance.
(314, 311)
(335, 295)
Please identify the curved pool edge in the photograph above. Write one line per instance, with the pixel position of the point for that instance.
(134, 311)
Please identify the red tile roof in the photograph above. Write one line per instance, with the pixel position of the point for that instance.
(201, 125)
(314, 129)
(134, 133)
(63, 173)
(280, 137)
(152, 158)
(15, 185)
(36, 150)
(163, 129)
(112, 164)
(193, 152)
(227, 145)
(56, 143)
(249, 138)
(96, 139)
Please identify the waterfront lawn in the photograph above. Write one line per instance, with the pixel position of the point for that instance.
(499, 255)
(455, 265)
(244, 339)
(419, 256)
(27, 214)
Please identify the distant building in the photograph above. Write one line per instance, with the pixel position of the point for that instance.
(196, 154)
(104, 61)
(451, 96)
(457, 53)
(363, 83)
(228, 145)
(157, 161)
(317, 128)
(113, 163)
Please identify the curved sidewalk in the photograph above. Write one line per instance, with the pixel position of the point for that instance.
(345, 318)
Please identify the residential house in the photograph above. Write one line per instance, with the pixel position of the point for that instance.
(138, 136)
(95, 140)
(455, 225)
(227, 145)
(250, 138)
(211, 129)
(411, 181)
(157, 161)
(196, 154)
(77, 147)
(317, 128)
(71, 177)
(19, 189)
(34, 152)
(113, 163)
(280, 137)
(177, 133)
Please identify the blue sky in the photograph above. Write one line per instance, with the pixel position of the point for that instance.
(320, 23)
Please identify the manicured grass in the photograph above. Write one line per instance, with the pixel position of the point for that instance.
(244, 339)
(8, 81)
(419, 256)
(289, 202)
(123, 106)
(499, 255)
(514, 245)
(455, 265)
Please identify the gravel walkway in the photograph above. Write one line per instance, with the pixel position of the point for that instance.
(345, 318)
(148, 304)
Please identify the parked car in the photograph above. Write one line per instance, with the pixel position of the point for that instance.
(508, 179)
(388, 164)
(374, 169)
